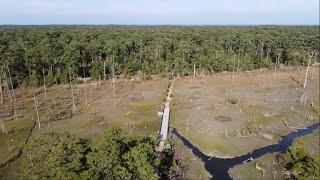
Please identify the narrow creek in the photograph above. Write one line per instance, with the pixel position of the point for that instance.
(218, 168)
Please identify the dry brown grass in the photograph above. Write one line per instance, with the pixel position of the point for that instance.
(227, 117)
(136, 112)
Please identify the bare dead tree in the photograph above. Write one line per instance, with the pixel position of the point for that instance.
(268, 52)
(14, 96)
(11, 84)
(314, 65)
(226, 134)
(261, 50)
(233, 66)
(1, 96)
(276, 63)
(3, 127)
(90, 95)
(260, 168)
(9, 93)
(194, 71)
(44, 84)
(140, 55)
(113, 84)
(238, 64)
(15, 114)
(72, 95)
(188, 123)
(113, 80)
(114, 95)
(303, 96)
(30, 161)
(306, 74)
(37, 110)
(85, 87)
(85, 93)
(296, 81)
(99, 82)
(104, 71)
(8, 86)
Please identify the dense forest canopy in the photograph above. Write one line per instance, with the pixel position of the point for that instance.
(62, 52)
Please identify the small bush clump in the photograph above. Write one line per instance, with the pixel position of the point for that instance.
(223, 118)
(233, 100)
(300, 164)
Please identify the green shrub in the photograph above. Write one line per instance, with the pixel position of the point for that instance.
(131, 68)
(55, 156)
(32, 80)
(115, 156)
(223, 118)
(300, 163)
(96, 71)
(50, 80)
(233, 100)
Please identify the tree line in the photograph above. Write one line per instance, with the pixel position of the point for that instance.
(63, 53)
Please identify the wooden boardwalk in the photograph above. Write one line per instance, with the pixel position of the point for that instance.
(165, 120)
(165, 124)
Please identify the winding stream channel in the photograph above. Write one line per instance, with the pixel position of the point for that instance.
(218, 168)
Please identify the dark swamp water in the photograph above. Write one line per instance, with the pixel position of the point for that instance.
(218, 168)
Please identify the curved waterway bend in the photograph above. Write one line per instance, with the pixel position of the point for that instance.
(218, 167)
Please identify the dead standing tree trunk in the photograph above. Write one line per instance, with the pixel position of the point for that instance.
(314, 65)
(90, 94)
(1, 96)
(85, 87)
(14, 96)
(85, 92)
(104, 71)
(8, 85)
(238, 63)
(233, 66)
(266, 60)
(304, 97)
(114, 84)
(99, 82)
(37, 110)
(11, 84)
(261, 50)
(276, 63)
(260, 169)
(3, 127)
(194, 71)
(72, 95)
(44, 84)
